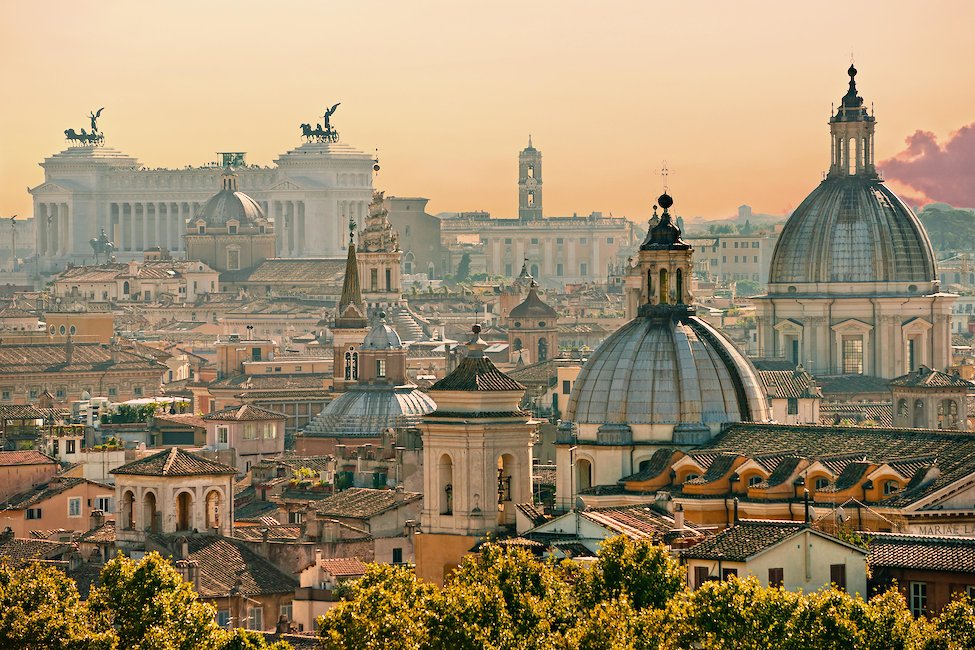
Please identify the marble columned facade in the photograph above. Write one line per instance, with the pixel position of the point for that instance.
(310, 194)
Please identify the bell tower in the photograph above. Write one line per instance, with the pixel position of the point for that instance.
(530, 183)
(851, 131)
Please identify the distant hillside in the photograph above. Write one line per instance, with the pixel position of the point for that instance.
(950, 228)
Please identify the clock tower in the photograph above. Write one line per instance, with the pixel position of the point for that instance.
(530, 183)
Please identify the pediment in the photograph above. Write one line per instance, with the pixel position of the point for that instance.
(788, 325)
(49, 188)
(285, 185)
(916, 324)
(852, 325)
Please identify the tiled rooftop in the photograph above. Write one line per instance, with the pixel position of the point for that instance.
(363, 503)
(744, 540)
(31, 457)
(892, 550)
(174, 462)
(244, 413)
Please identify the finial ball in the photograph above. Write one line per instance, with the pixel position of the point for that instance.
(476, 329)
(852, 71)
(382, 315)
(665, 201)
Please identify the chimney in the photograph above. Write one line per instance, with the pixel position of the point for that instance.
(318, 557)
(736, 512)
(184, 549)
(679, 517)
(116, 349)
(330, 530)
(399, 494)
(97, 519)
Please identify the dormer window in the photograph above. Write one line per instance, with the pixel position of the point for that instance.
(201, 228)
(232, 229)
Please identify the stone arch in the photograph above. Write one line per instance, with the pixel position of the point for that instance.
(903, 411)
(542, 349)
(679, 279)
(508, 477)
(664, 287)
(184, 510)
(125, 288)
(445, 473)
(517, 344)
(918, 421)
(150, 512)
(128, 510)
(948, 414)
(583, 474)
(214, 508)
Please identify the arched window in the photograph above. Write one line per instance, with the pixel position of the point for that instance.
(583, 475)
(755, 480)
(664, 287)
(351, 365)
(918, 421)
(446, 471)
(128, 510)
(891, 487)
(184, 511)
(821, 483)
(851, 156)
(542, 349)
(947, 414)
(902, 409)
(213, 505)
(125, 288)
(150, 518)
(649, 285)
(516, 344)
(679, 277)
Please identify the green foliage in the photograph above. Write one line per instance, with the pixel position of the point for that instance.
(747, 288)
(950, 229)
(463, 268)
(642, 572)
(241, 639)
(955, 628)
(40, 608)
(149, 606)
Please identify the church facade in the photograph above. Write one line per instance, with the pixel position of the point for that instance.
(309, 194)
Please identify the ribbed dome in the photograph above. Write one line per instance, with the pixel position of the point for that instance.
(659, 371)
(367, 410)
(229, 204)
(533, 307)
(382, 337)
(852, 229)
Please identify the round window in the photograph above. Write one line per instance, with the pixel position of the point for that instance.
(541, 323)
(792, 289)
(62, 329)
(912, 288)
(517, 323)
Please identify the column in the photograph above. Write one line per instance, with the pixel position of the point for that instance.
(55, 232)
(40, 229)
(290, 217)
(123, 227)
(146, 230)
(302, 235)
(68, 246)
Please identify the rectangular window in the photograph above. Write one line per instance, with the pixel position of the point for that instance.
(507, 269)
(559, 270)
(113, 391)
(374, 279)
(231, 229)
(755, 245)
(583, 241)
(6, 395)
(776, 577)
(34, 392)
(137, 391)
(74, 507)
(255, 618)
(397, 555)
(852, 355)
(919, 598)
(269, 431)
(583, 269)
(250, 432)
(729, 573)
(233, 259)
(223, 435)
(389, 280)
(534, 241)
(566, 386)
(609, 240)
(33, 513)
(755, 258)
(104, 504)
(507, 241)
(294, 517)
(837, 575)
(380, 368)
(736, 244)
(223, 618)
(285, 612)
(60, 393)
(70, 446)
(255, 354)
(701, 575)
(793, 406)
(558, 241)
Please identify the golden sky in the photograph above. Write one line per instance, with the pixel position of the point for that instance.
(734, 95)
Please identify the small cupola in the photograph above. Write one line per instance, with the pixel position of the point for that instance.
(228, 181)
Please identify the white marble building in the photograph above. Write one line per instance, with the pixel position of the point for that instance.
(309, 193)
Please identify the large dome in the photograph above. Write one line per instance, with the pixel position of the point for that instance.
(658, 371)
(852, 229)
(229, 204)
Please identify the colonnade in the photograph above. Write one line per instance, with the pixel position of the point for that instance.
(138, 226)
(54, 225)
(289, 226)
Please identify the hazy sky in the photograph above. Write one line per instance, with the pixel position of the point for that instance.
(734, 95)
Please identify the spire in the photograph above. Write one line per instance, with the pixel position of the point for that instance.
(350, 313)
(530, 141)
(851, 105)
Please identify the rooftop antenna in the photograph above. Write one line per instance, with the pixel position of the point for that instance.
(664, 172)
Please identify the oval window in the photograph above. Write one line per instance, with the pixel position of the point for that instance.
(53, 329)
(72, 329)
(62, 329)
(517, 323)
(541, 323)
(792, 289)
(912, 288)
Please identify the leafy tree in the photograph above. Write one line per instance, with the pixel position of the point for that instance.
(387, 608)
(955, 628)
(148, 605)
(241, 639)
(40, 608)
(641, 571)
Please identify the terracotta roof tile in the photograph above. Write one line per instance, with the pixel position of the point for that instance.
(223, 562)
(244, 413)
(477, 374)
(344, 567)
(174, 462)
(746, 539)
(9, 458)
(21, 551)
(363, 503)
(892, 550)
(925, 377)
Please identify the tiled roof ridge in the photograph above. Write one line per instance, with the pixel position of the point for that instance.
(170, 460)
